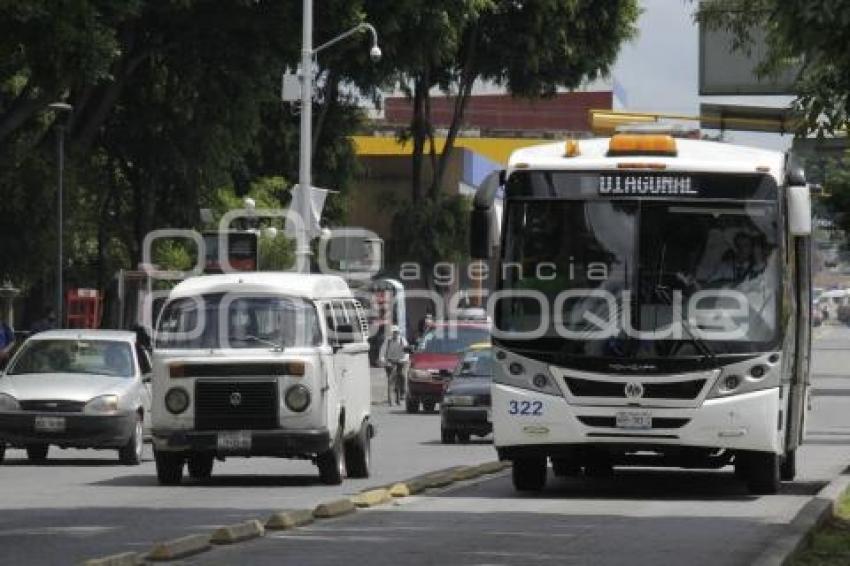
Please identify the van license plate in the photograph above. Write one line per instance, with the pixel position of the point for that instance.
(49, 424)
(634, 420)
(237, 441)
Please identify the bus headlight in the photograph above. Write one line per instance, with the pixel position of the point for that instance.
(176, 400)
(526, 374)
(297, 398)
(746, 377)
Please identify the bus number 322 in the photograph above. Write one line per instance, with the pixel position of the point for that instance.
(526, 408)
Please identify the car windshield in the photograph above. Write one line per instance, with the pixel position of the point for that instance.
(99, 357)
(475, 363)
(452, 339)
(238, 321)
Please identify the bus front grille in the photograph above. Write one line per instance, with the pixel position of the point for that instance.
(232, 405)
(611, 422)
(679, 390)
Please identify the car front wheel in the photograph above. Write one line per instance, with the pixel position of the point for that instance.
(200, 465)
(131, 453)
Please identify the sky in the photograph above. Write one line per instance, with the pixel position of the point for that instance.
(659, 70)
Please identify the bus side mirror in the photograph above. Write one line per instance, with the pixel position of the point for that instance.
(479, 233)
(799, 210)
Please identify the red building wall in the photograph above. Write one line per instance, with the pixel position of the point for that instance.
(564, 111)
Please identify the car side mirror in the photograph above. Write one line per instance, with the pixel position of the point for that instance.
(479, 233)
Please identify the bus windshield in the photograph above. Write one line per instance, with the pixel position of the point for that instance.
(640, 278)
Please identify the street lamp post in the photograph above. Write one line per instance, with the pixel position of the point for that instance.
(64, 108)
(305, 181)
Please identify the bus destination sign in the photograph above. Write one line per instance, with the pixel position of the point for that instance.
(648, 185)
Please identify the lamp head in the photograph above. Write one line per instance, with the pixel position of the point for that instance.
(375, 53)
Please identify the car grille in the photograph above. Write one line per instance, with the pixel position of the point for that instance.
(672, 390)
(53, 406)
(216, 409)
(611, 422)
(242, 369)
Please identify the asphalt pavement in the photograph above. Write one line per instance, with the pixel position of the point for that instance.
(639, 517)
(82, 504)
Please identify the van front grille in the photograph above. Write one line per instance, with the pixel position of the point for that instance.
(242, 405)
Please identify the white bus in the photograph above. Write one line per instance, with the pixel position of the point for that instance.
(652, 307)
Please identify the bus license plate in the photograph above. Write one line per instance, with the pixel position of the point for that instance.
(634, 420)
(49, 424)
(237, 441)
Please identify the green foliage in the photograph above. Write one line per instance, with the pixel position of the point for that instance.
(171, 255)
(816, 32)
(431, 231)
(837, 186)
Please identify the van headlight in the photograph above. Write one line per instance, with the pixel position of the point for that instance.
(176, 400)
(8, 403)
(297, 398)
(103, 405)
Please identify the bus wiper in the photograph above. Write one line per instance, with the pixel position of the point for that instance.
(699, 343)
(274, 345)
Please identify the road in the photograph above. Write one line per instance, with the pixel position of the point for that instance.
(82, 504)
(638, 517)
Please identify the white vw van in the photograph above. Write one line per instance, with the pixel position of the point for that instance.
(261, 364)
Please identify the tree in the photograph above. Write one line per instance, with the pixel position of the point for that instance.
(814, 32)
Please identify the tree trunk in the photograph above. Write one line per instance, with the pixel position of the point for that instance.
(331, 95)
(417, 130)
(464, 91)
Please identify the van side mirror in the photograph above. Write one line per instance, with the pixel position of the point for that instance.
(343, 334)
(799, 210)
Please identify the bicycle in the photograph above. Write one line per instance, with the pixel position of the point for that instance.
(395, 381)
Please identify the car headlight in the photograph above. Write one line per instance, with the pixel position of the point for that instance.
(176, 400)
(420, 375)
(8, 403)
(459, 400)
(297, 398)
(104, 404)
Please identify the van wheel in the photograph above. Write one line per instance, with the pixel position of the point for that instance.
(529, 474)
(169, 467)
(762, 472)
(2, 452)
(428, 407)
(131, 453)
(331, 462)
(358, 454)
(463, 437)
(200, 465)
(788, 469)
(447, 436)
(411, 405)
(37, 452)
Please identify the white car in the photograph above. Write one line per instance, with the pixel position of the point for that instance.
(76, 389)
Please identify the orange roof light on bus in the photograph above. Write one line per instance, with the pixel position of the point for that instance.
(641, 144)
(571, 148)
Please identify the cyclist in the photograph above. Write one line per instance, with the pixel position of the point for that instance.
(394, 357)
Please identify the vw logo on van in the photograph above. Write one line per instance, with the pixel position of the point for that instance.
(634, 390)
(235, 399)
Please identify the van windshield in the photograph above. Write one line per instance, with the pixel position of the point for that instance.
(221, 320)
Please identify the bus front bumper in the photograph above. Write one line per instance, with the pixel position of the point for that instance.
(747, 421)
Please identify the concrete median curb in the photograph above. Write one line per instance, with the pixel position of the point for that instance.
(466, 473)
(237, 533)
(179, 548)
(493, 467)
(123, 559)
(798, 532)
(284, 520)
(334, 508)
(371, 498)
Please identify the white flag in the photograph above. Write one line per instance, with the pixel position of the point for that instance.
(317, 203)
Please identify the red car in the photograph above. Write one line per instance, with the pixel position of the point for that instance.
(436, 355)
